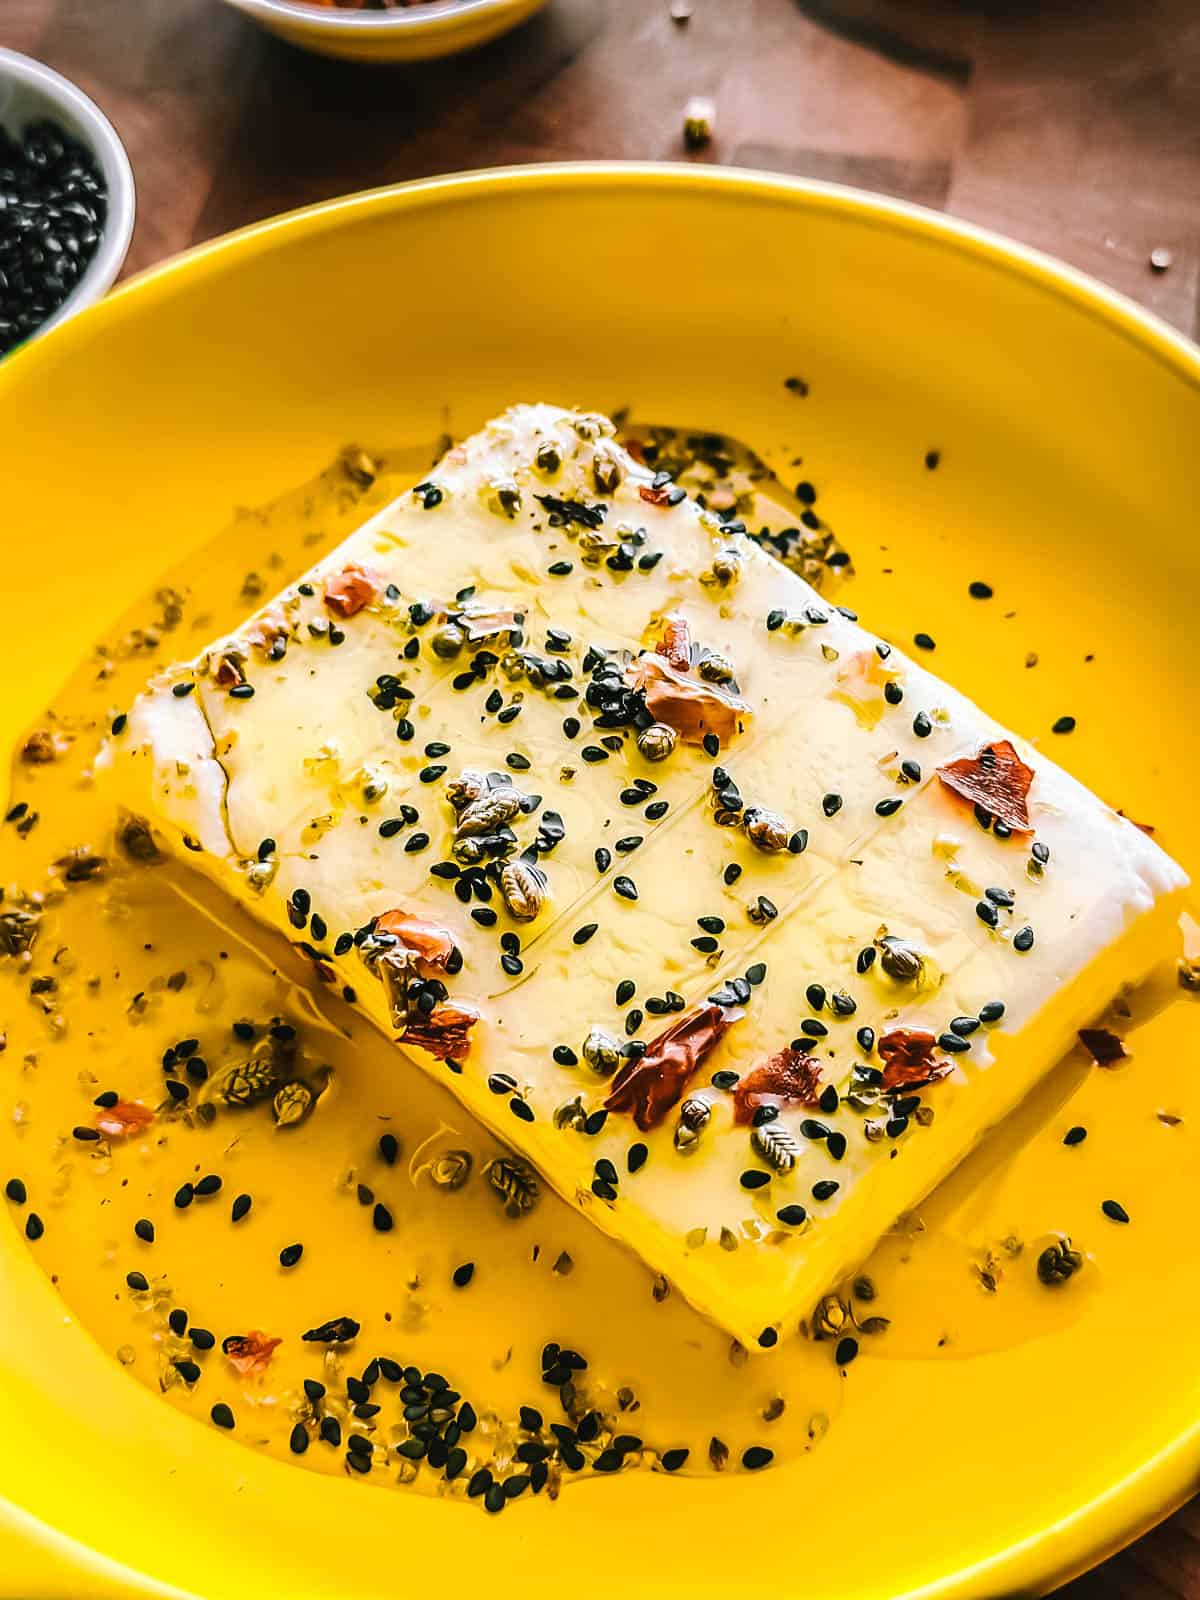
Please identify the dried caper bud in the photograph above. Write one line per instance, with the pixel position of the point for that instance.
(715, 667)
(137, 841)
(451, 1169)
(601, 1052)
(523, 889)
(448, 640)
(776, 1146)
(548, 457)
(292, 1104)
(515, 1181)
(467, 787)
(490, 811)
(830, 1317)
(694, 1115)
(571, 1114)
(1058, 1262)
(656, 742)
(726, 569)
(504, 498)
(900, 959)
(766, 830)
(606, 472)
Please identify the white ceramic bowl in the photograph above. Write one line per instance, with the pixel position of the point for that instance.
(30, 91)
(409, 33)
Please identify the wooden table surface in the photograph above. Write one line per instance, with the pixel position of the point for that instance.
(1073, 125)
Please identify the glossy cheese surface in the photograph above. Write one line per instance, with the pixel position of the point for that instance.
(323, 798)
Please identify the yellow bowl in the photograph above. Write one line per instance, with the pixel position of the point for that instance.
(1067, 423)
(415, 33)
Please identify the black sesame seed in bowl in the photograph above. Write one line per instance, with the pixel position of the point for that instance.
(66, 200)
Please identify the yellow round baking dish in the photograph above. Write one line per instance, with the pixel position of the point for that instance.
(1066, 422)
(411, 33)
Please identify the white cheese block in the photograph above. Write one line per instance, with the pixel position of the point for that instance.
(305, 772)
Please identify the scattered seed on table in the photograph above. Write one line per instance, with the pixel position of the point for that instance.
(240, 1207)
(290, 1254)
(16, 1191)
(1075, 1135)
(1114, 1211)
(34, 1226)
(464, 1274)
(757, 1456)
(846, 1351)
(222, 1415)
(381, 1217)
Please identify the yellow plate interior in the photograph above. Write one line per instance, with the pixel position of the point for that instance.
(1069, 476)
(420, 33)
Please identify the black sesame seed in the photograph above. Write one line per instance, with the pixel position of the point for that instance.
(559, 569)
(625, 887)
(137, 1281)
(1075, 1135)
(565, 1056)
(831, 804)
(635, 1157)
(202, 1339)
(1115, 1211)
(240, 1207)
(519, 1109)
(633, 1020)
(182, 690)
(815, 995)
(836, 1145)
(381, 1219)
(222, 1415)
(732, 873)
(952, 1042)
(712, 745)
(757, 1456)
(144, 1230)
(825, 1188)
(814, 1028)
(980, 591)
(754, 1180)
(595, 1121)
(415, 842)
(85, 1135)
(389, 1148)
(184, 1196)
(767, 1340)
(1063, 725)
(298, 1439)
(1040, 852)
(828, 1101)
(209, 1185)
(922, 726)
(511, 964)
(603, 859)
(290, 1254)
(888, 808)
(986, 912)
(582, 935)
(462, 1275)
(756, 973)
(15, 1190)
(846, 1351)
(244, 691)
(1023, 939)
(672, 1460)
(992, 1011)
(923, 641)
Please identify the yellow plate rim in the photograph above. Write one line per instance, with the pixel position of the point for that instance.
(1166, 1479)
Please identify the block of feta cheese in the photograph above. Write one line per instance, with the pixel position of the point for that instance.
(735, 922)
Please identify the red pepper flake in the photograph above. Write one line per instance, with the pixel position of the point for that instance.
(655, 497)
(250, 1352)
(996, 779)
(675, 646)
(425, 939)
(125, 1118)
(688, 705)
(443, 1032)
(907, 1055)
(788, 1078)
(349, 590)
(228, 672)
(650, 1085)
(1103, 1046)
